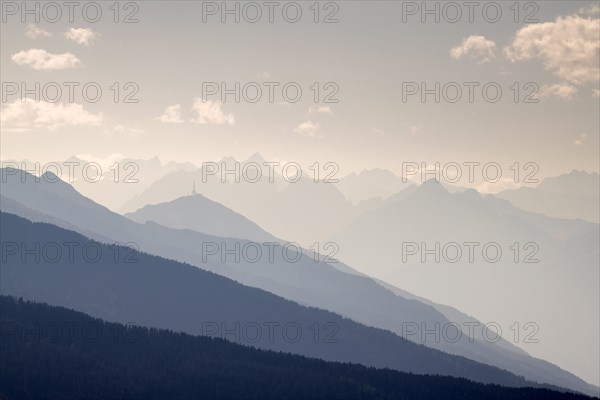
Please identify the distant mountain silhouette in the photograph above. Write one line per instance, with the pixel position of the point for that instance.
(303, 211)
(371, 183)
(573, 195)
(200, 214)
(373, 244)
(118, 182)
(578, 183)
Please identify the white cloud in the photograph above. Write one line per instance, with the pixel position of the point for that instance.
(504, 72)
(414, 129)
(210, 113)
(308, 128)
(128, 131)
(31, 115)
(377, 131)
(104, 162)
(34, 32)
(591, 10)
(172, 115)
(581, 138)
(496, 187)
(320, 110)
(560, 90)
(40, 59)
(83, 36)
(476, 47)
(567, 47)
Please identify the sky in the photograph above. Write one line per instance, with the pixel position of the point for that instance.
(358, 68)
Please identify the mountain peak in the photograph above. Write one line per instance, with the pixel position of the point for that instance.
(155, 160)
(430, 190)
(201, 214)
(74, 159)
(256, 157)
(471, 194)
(432, 186)
(227, 160)
(576, 182)
(50, 176)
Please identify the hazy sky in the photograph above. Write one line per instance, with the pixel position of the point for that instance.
(368, 54)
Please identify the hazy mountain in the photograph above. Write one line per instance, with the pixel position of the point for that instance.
(110, 184)
(179, 213)
(303, 211)
(200, 214)
(138, 288)
(128, 178)
(167, 188)
(132, 362)
(10, 206)
(578, 183)
(573, 195)
(208, 181)
(306, 281)
(371, 183)
(555, 289)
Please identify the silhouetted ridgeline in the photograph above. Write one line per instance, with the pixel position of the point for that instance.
(93, 359)
(155, 292)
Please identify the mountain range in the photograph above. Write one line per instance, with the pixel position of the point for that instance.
(418, 242)
(317, 284)
(575, 195)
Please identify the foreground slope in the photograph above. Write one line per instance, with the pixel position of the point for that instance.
(132, 362)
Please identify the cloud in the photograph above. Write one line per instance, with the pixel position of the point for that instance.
(581, 138)
(320, 110)
(31, 115)
(172, 115)
(476, 47)
(414, 129)
(567, 47)
(210, 113)
(591, 10)
(377, 131)
(504, 72)
(34, 32)
(83, 36)
(309, 129)
(128, 131)
(496, 187)
(104, 162)
(560, 90)
(40, 59)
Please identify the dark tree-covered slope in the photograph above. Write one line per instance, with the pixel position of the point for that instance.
(55, 353)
